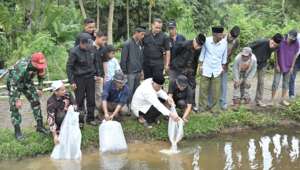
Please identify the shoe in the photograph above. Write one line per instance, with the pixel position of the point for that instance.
(41, 128)
(18, 133)
(93, 123)
(128, 114)
(236, 105)
(195, 109)
(272, 102)
(292, 98)
(199, 111)
(208, 108)
(216, 114)
(224, 109)
(247, 101)
(284, 103)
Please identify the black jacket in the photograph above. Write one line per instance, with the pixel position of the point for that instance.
(182, 55)
(77, 40)
(82, 63)
(132, 56)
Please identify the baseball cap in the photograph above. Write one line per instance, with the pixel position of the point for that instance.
(246, 51)
(39, 59)
(56, 85)
(86, 39)
(293, 34)
(182, 80)
(171, 24)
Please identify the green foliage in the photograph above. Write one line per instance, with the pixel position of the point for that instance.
(6, 48)
(177, 11)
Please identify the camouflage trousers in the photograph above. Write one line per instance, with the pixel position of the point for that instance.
(31, 94)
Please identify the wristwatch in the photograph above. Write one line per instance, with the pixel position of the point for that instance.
(16, 98)
(168, 64)
(200, 67)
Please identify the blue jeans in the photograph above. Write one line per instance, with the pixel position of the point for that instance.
(293, 77)
(222, 102)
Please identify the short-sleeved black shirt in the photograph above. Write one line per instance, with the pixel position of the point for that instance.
(101, 53)
(186, 94)
(153, 54)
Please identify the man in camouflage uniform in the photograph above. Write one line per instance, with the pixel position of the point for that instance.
(20, 80)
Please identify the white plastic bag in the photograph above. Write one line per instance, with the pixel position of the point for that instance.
(111, 137)
(69, 137)
(175, 132)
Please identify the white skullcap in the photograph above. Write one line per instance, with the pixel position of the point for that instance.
(56, 85)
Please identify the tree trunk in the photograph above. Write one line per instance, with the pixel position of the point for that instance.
(284, 11)
(127, 19)
(150, 6)
(28, 15)
(110, 22)
(98, 17)
(82, 9)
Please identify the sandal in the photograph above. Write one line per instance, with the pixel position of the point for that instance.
(157, 121)
(185, 119)
(166, 118)
(260, 104)
(81, 125)
(146, 124)
(284, 103)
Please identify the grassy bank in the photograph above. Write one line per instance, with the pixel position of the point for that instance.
(199, 125)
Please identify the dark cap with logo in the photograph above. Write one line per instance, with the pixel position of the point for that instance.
(182, 80)
(86, 39)
(171, 24)
(293, 34)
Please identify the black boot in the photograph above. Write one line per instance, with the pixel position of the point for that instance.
(40, 127)
(18, 133)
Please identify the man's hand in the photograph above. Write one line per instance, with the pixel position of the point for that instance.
(111, 117)
(222, 73)
(236, 85)
(125, 75)
(105, 80)
(142, 75)
(291, 71)
(167, 69)
(277, 69)
(248, 85)
(200, 71)
(174, 117)
(224, 68)
(170, 101)
(19, 104)
(268, 60)
(73, 86)
(40, 94)
(107, 117)
(56, 141)
(98, 80)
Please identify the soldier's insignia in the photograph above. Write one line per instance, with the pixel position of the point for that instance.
(41, 72)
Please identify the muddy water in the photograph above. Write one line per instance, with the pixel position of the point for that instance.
(276, 148)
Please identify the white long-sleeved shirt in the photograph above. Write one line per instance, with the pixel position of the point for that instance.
(145, 96)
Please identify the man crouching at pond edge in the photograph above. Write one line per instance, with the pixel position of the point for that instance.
(145, 101)
(57, 108)
(20, 80)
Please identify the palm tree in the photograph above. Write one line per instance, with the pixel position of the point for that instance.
(151, 4)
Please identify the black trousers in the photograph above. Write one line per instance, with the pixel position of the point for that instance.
(180, 103)
(85, 89)
(60, 115)
(150, 70)
(151, 114)
(192, 83)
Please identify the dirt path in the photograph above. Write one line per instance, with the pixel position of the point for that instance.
(28, 118)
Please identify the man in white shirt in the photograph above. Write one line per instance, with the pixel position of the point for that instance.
(145, 101)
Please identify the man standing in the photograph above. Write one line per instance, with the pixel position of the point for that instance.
(114, 99)
(101, 54)
(89, 27)
(175, 39)
(213, 61)
(182, 94)
(186, 61)
(20, 80)
(232, 45)
(132, 61)
(145, 101)
(244, 66)
(155, 42)
(263, 48)
(57, 108)
(81, 68)
(293, 76)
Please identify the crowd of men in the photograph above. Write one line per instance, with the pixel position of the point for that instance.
(114, 88)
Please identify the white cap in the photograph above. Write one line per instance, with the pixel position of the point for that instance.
(56, 85)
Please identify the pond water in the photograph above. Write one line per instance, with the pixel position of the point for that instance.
(275, 148)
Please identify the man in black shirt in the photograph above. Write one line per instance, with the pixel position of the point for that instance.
(101, 54)
(57, 108)
(182, 94)
(89, 27)
(155, 42)
(132, 61)
(81, 68)
(262, 48)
